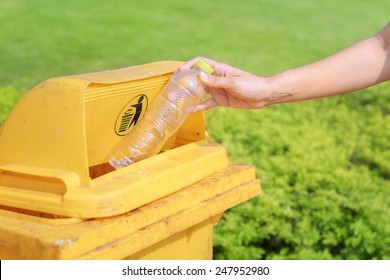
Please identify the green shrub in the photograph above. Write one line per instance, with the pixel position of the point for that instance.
(325, 170)
(9, 96)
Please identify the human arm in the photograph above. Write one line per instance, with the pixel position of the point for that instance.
(359, 66)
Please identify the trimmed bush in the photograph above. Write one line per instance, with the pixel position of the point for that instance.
(325, 170)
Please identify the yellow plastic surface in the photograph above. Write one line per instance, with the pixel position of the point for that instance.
(53, 146)
(178, 226)
(59, 199)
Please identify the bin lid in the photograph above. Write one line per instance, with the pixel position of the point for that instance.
(54, 143)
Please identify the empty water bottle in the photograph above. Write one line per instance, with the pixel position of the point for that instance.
(164, 117)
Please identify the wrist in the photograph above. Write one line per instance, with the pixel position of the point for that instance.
(278, 89)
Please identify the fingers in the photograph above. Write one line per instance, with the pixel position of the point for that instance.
(211, 81)
(217, 80)
(205, 105)
(191, 63)
(220, 69)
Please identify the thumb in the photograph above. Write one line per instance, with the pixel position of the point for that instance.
(212, 81)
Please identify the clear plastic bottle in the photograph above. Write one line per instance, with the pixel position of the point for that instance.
(164, 117)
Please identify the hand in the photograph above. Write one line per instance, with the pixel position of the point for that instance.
(232, 87)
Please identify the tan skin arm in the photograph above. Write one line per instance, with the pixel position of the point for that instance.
(361, 65)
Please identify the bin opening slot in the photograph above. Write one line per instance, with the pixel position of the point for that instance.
(100, 170)
(104, 168)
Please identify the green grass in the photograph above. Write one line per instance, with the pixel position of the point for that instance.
(324, 164)
(41, 39)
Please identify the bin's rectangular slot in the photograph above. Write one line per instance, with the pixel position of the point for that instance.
(100, 169)
(37, 179)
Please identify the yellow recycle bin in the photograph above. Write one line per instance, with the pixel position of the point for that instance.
(59, 199)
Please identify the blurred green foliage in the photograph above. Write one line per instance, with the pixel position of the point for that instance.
(324, 164)
(9, 96)
(325, 171)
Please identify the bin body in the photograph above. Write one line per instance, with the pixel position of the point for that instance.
(59, 199)
(178, 226)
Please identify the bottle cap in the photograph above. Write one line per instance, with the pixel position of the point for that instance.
(205, 67)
